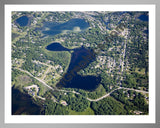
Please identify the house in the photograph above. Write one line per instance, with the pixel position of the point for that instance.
(33, 93)
(64, 103)
(137, 112)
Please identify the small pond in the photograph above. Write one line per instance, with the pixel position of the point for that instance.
(22, 21)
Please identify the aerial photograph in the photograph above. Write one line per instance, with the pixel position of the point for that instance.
(80, 63)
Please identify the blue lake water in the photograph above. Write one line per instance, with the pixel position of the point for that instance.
(143, 17)
(88, 83)
(56, 47)
(81, 58)
(53, 28)
(146, 31)
(23, 21)
(22, 103)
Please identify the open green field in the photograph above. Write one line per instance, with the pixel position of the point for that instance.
(87, 111)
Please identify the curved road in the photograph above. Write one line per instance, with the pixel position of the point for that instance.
(106, 95)
(93, 100)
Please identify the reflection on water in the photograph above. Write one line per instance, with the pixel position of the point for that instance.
(53, 28)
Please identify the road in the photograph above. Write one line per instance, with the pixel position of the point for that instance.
(108, 94)
(141, 91)
(45, 83)
(92, 100)
(36, 78)
(124, 55)
(38, 62)
(46, 73)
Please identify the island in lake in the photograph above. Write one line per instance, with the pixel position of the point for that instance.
(80, 63)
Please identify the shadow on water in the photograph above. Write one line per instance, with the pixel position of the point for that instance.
(23, 104)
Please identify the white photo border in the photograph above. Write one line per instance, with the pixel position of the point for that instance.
(87, 118)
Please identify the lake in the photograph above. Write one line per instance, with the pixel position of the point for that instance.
(80, 58)
(143, 17)
(146, 31)
(56, 47)
(23, 21)
(53, 28)
(22, 104)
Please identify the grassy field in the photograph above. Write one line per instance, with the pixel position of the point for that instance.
(142, 71)
(100, 91)
(87, 111)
